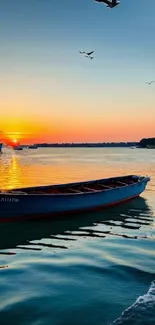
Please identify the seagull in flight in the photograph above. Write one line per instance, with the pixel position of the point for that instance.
(89, 57)
(87, 53)
(108, 3)
(150, 82)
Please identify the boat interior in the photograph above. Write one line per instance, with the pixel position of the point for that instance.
(77, 188)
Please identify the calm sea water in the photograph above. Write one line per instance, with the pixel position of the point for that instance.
(92, 269)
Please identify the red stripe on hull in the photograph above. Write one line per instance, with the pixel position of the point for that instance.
(64, 213)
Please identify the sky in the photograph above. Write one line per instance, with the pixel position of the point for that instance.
(51, 93)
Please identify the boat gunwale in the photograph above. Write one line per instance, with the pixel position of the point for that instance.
(16, 191)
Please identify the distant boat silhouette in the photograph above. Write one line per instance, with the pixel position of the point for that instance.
(33, 146)
(18, 148)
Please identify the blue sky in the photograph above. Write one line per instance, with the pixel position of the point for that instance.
(40, 63)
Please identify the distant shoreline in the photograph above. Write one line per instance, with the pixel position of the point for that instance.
(86, 145)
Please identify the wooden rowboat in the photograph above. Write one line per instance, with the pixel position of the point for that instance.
(56, 199)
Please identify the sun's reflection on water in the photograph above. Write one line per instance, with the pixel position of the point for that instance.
(12, 174)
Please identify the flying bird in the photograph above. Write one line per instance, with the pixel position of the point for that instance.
(149, 82)
(89, 53)
(89, 57)
(108, 3)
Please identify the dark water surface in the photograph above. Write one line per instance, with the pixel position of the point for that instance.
(90, 269)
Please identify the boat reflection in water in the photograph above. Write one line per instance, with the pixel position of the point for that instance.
(125, 220)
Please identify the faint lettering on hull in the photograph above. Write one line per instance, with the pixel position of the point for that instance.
(9, 200)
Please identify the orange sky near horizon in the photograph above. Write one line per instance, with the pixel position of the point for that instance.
(51, 118)
(48, 117)
(35, 130)
(37, 110)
